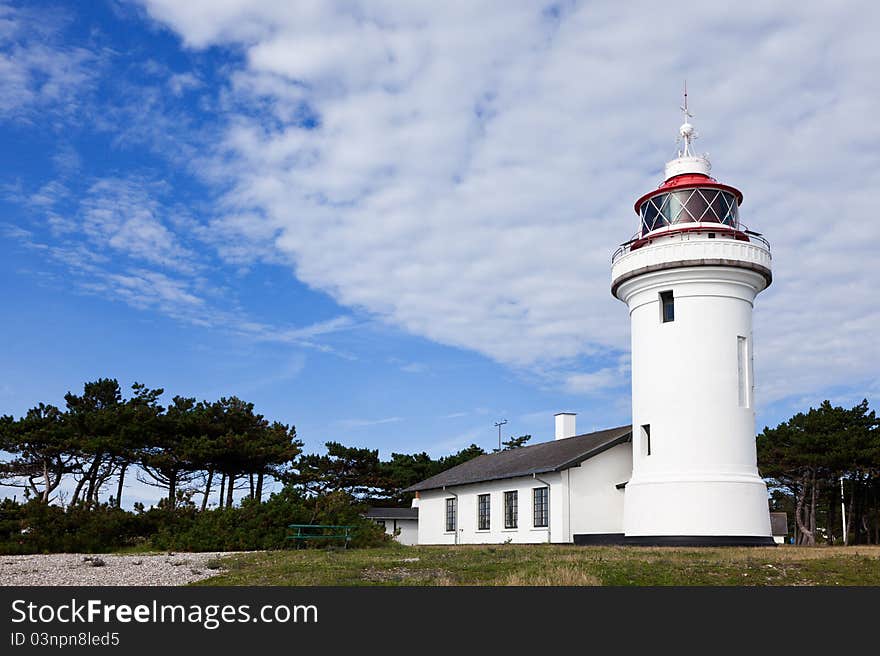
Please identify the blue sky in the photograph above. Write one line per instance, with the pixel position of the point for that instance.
(392, 227)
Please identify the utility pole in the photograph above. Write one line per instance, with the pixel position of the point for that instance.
(498, 425)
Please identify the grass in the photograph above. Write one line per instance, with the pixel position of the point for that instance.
(554, 565)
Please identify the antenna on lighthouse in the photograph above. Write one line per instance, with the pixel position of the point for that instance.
(687, 160)
(687, 114)
(686, 131)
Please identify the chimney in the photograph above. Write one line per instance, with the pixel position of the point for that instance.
(565, 425)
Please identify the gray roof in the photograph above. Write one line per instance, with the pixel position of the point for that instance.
(392, 513)
(536, 459)
(779, 523)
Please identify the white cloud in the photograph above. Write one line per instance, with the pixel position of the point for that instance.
(67, 159)
(317, 329)
(36, 73)
(180, 83)
(179, 293)
(129, 215)
(599, 381)
(149, 289)
(589, 383)
(408, 367)
(479, 435)
(17, 232)
(365, 423)
(125, 215)
(466, 173)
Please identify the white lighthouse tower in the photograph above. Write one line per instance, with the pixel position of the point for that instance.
(690, 277)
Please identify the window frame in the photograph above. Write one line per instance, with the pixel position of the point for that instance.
(511, 510)
(451, 513)
(667, 300)
(487, 515)
(544, 506)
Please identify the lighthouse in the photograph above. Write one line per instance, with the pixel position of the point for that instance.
(690, 277)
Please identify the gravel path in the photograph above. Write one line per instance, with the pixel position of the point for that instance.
(108, 569)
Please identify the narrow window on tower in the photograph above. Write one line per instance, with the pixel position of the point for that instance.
(751, 370)
(742, 370)
(667, 307)
(646, 439)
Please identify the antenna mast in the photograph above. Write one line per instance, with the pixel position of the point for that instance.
(686, 132)
(687, 114)
(498, 425)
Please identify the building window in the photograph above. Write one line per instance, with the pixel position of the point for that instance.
(483, 512)
(667, 307)
(510, 509)
(450, 515)
(381, 522)
(541, 498)
(646, 439)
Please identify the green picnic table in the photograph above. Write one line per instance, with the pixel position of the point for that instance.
(307, 532)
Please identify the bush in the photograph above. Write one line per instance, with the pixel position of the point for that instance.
(35, 527)
(253, 525)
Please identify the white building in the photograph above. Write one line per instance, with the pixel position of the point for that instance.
(687, 473)
(402, 524)
(567, 490)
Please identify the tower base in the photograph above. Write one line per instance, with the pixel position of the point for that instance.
(699, 541)
(708, 509)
